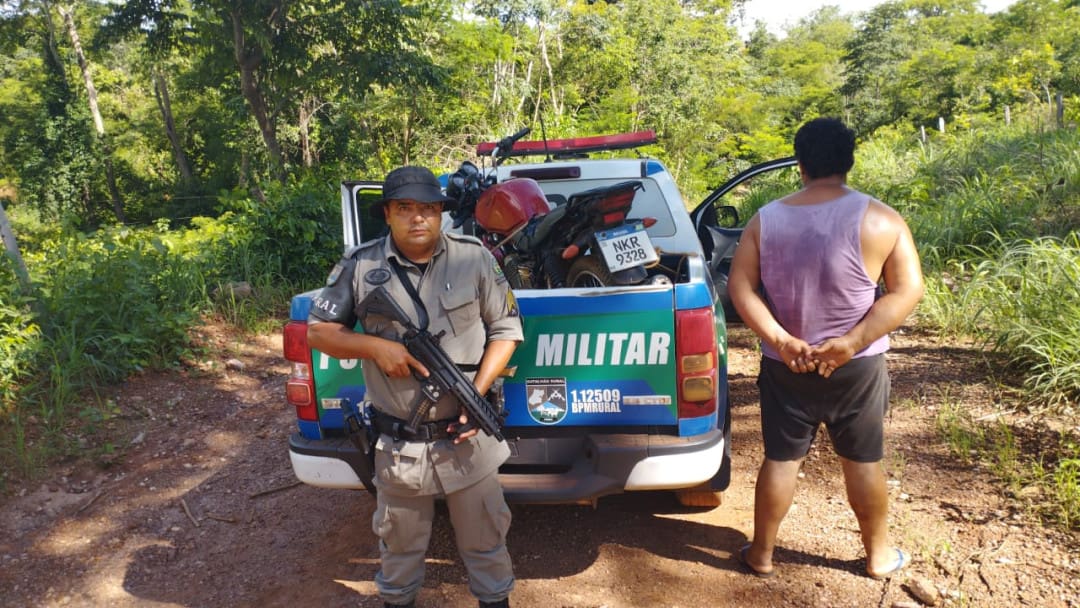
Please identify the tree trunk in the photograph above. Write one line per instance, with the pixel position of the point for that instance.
(99, 124)
(161, 94)
(556, 104)
(11, 247)
(307, 112)
(50, 29)
(249, 85)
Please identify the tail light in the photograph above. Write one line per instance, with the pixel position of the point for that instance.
(696, 359)
(615, 217)
(300, 387)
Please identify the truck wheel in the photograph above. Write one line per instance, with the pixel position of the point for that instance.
(589, 271)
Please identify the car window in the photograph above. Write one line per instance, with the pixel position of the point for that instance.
(371, 226)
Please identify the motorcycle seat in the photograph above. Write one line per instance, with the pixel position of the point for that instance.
(539, 229)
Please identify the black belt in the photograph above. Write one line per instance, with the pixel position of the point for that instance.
(427, 431)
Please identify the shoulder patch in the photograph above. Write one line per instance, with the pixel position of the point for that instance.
(377, 276)
(335, 274)
(511, 305)
(499, 276)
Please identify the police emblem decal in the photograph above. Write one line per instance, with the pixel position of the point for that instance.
(546, 399)
(377, 276)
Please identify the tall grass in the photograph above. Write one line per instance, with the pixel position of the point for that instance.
(1022, 299)
(976, 189)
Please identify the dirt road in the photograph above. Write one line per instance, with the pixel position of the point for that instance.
(198, 508)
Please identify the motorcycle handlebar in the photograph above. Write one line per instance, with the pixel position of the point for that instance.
(506, 143)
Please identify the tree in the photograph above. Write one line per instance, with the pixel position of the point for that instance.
(164, 29)
(289, 53)
(801, 75)
(1037, 51)
(48, 150)
(912, 60)
(92, 99)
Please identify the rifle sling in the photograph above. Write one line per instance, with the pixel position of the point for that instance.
(403, 276)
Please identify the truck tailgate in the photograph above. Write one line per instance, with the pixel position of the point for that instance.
(595, 357)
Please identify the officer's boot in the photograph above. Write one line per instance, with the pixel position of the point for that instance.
(389, 605)
(503, 603)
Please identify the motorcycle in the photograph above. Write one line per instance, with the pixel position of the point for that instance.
(587, 242)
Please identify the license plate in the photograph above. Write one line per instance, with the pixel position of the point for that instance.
(626, 246)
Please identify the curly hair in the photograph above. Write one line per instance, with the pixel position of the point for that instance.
(824, 147)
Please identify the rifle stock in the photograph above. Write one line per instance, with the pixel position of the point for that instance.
(444, 374)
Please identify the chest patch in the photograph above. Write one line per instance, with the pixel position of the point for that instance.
(377, 276)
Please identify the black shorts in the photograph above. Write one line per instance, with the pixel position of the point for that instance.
(852, 403)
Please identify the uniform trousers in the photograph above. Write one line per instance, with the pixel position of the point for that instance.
(481, 520)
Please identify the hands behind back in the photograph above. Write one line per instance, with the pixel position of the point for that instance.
(797, 355)
(831, 354)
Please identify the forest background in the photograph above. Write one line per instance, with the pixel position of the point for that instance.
(156, 154)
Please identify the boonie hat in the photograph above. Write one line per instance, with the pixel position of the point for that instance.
(413, 183)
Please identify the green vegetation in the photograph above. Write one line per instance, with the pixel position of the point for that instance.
(1049, 484)
(200, 144)
(121, 300)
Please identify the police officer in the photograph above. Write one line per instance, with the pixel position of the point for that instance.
(454, 285)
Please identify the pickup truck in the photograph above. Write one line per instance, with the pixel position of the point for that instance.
(616, 389)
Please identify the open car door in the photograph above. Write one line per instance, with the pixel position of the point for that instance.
(719, 227)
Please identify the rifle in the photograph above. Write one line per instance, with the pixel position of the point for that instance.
(444, 373)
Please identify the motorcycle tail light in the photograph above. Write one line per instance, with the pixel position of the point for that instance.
(611, 219)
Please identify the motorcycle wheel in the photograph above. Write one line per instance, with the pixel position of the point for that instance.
(516, 275)
(589, 271)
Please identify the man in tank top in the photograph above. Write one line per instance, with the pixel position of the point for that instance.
(805, 279)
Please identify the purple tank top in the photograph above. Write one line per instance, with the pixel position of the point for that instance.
(812, 269)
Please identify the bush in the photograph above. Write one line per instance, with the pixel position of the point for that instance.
(19, 337)
(295, 235)
(119, 300)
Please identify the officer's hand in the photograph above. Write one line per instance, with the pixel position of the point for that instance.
(831, 354)
(796, 354)
(395, 361)
(462, 430)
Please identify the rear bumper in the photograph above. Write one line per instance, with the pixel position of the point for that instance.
(605, 464)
